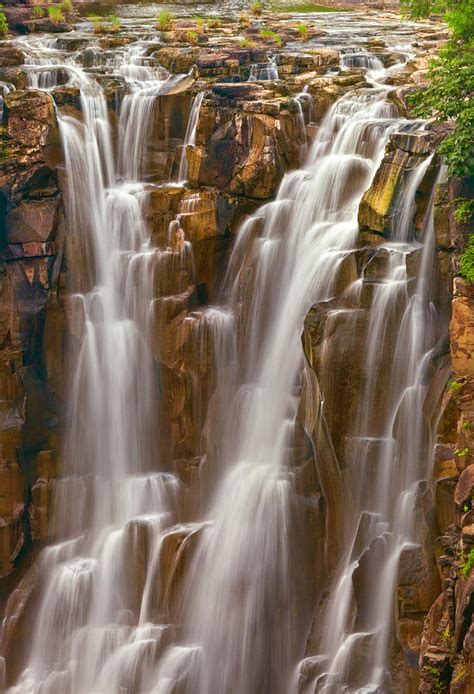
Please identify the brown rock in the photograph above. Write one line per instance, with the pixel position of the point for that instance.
(10, 56)
(464, 491)
(32, 221)
(31, 118)
(462, 336)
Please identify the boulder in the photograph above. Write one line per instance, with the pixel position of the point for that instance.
(464, 492)
(10, 56)
(32, 220)
(240, 151)
(379, 203)
(31, 119)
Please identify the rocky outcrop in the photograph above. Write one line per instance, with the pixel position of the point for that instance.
(246, 140)
(31, 254)
(447, 646)
(379, 204)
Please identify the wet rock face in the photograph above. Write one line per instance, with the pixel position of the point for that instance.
(446, 653)
(248, 136)
(246, 140)
(379, 204)
(31, 251)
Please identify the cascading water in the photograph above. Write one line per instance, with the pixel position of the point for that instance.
(248, 643)
(382, 515)
(247, 600)
(264, 71)
(109, 499)
(190, 137)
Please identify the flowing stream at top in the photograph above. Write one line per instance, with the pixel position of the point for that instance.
(247, 607)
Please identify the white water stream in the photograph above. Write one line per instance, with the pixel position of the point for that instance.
(245, 613)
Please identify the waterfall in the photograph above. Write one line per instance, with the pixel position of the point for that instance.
(382, 514)
(112, 500)
(248, 644)
(263, 71)
(190, 136)
(106, 618)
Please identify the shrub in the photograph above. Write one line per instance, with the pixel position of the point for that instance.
(214, 23)
(303, 31)
(37, 11)
(100, 26)
(114, 23)
(245, 43)
(192, 37)
(66, 7)
(3, 22)
(449, 94)
(200, 25)
(55, 14)
(256, 8)
(165, 20)
(244, 20)
(271, 36)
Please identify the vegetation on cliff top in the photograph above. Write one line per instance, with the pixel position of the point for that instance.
(449, 96)
(450, 93)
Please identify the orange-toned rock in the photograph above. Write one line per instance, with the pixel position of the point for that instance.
(462, 333)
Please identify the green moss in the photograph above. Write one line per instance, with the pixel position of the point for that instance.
(466, 261)
(455, 386)
(468, 564)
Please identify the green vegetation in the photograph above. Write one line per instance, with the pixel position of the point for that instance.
(245, 43)
(466, 261)
(461, 452)
(468, 564)
(448, 638)
(449, 95)
(192, 37)
(271, 36)
(107, 25)
(37, 11)
(3, 22)
(165, 20)
(303, 31)
(115, 23)
(438, 685)
(55, 14)
(244, 20)
(256, 8)
(455, 386)
(200, 26)
(66, 7)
